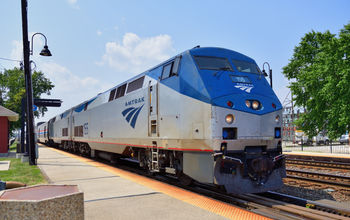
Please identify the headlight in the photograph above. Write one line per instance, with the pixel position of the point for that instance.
(247, 103)
(255, 105)
(277, 119)
(229, 118)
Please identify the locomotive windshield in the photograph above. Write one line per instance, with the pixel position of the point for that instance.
(213, 63)
(246, 67)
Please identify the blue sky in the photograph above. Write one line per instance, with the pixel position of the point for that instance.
(98, 44)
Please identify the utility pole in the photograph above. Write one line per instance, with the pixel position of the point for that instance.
(28, 84)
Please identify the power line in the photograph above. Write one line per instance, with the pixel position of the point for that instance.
(1, 58)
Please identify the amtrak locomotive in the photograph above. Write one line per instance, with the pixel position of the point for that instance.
(207, 114)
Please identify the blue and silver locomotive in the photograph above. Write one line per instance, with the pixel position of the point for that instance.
(207, 114)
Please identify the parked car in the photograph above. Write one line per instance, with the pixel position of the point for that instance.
(344, 139)
(301, 138)
(321, 139)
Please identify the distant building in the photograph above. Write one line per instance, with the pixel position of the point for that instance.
(5, 117)
(288, 117)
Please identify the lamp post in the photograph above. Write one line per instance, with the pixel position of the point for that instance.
(270, 72)
(28, 81)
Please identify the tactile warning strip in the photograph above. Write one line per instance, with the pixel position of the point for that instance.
(212, 205)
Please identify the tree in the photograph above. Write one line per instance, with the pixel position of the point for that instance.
(12, 90)
(320, 82)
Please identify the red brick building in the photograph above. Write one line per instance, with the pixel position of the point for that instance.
(5, 117)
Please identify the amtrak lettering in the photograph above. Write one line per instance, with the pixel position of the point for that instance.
(134, 101)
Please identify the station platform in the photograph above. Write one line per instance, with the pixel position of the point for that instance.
(317, 154)
(112, 193)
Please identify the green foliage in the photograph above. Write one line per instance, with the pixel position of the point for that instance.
(320, 82)
(22, 172)
(12, 90)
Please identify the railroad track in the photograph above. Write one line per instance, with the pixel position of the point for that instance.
(329, 179)
(327, 162)
(305, 163)
(281, 207)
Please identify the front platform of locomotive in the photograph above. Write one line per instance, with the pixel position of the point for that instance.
(246, 122)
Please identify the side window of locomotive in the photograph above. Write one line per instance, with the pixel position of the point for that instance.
(213, 63)
(171, 69)
(111, 95)
(136, 84)
(167, 70)
(120, 91)
(246, 67)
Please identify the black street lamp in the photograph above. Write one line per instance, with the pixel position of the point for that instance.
(28, 81)
(270, 72)
(45, 51)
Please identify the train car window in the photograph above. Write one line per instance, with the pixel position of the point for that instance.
(120, 91)
(246, 67)
(136, 84)
(213, 63)
(111, 95)
(240, 79)
(64, 132)
(167, 69)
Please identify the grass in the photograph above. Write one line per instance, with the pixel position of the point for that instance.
(22, 172)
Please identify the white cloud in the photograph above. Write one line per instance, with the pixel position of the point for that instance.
(73, 3)
(99, 33)
(136, 54)
(69, 87)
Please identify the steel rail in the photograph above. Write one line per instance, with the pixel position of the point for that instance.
(310, 176)
(319, 163)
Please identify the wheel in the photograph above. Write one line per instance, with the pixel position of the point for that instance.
(326, 142)
(185, 180)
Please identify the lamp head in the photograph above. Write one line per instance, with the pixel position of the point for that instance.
(264, 72)
(45, 51)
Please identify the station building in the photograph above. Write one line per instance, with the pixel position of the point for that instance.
(6, 116)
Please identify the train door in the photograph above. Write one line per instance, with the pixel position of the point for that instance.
(153, 130)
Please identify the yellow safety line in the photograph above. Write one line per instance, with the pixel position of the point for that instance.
(212, 205)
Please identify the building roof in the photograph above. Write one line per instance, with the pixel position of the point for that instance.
(4, 112)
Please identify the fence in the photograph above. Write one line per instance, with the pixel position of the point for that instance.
(334, 148)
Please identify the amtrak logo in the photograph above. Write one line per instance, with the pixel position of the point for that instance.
(131, 115)
(245, 88)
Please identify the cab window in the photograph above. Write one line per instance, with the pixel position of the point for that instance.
(246, 67)
(213, 63)
(171, 69)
